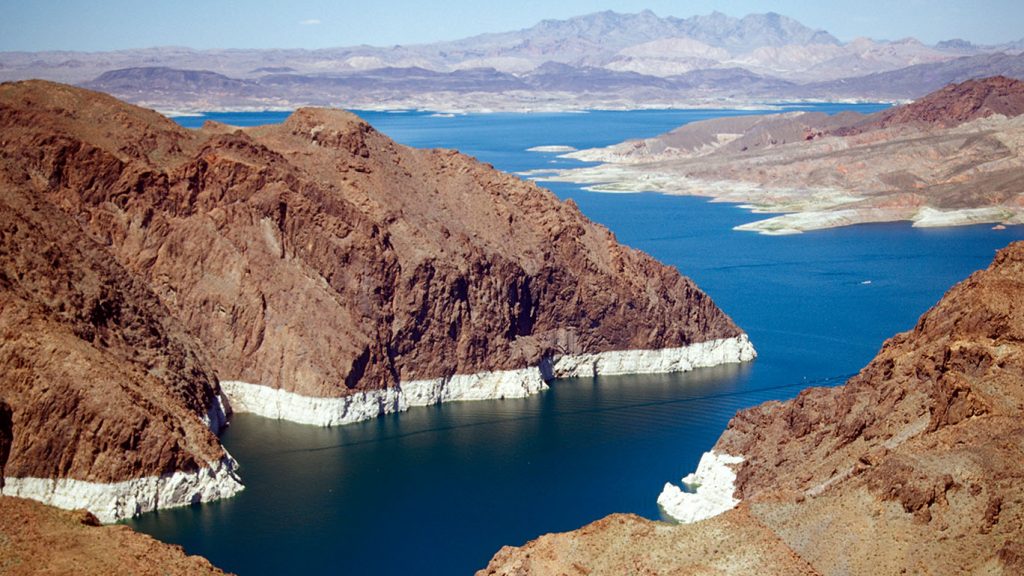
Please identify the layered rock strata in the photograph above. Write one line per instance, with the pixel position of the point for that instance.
(916, 465)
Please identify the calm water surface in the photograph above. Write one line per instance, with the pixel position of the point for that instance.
(438, 490)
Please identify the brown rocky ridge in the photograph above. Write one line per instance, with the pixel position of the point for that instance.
(144, 266)
(100, 382)
(953, 157)
(916, 465)
(321, 257)
(38, 539)
(951, 106)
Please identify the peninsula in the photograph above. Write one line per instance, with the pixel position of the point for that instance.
(156, 279)
(953, 157)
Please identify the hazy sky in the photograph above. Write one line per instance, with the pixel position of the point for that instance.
(113, 24)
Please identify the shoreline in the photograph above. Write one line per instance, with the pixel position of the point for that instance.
(181, 111)
(822, 183)
(793, 210)
(114, 501)
(245, 397)
(249, 398)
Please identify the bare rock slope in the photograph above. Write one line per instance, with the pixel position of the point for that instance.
(916, 465)
(321, 257)
(952, 106)
(627, 544)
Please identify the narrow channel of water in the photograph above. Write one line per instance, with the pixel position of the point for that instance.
(439, 490)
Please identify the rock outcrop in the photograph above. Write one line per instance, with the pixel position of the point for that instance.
(314, 271)
(916, 465)
(38, 539)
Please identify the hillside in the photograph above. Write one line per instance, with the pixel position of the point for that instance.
(37, 539)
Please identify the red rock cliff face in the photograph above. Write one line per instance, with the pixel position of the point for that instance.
(321, 257)
(915, 466)
(103, 383)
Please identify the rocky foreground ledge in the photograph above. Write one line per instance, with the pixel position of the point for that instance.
(37, 539)
(916, 465)
(154, 278)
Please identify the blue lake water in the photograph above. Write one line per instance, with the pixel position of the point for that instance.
(439, 490)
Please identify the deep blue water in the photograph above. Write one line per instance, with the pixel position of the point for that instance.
(438, 490)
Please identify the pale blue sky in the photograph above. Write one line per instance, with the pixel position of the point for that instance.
(113, 24)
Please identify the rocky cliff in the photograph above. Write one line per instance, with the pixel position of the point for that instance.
(109, 396)
(314, 271)
(320, 257)
(916, 465)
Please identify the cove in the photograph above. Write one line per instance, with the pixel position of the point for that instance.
(438, 490)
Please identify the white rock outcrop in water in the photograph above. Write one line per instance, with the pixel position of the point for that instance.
(711, 490)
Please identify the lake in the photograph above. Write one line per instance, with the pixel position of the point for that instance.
(439, 490)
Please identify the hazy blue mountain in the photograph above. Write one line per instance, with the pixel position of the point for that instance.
(918, 80)
(604, 59)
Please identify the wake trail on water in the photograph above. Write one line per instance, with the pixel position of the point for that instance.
(824, 381)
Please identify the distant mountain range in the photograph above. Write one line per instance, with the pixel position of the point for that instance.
(605, 59)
